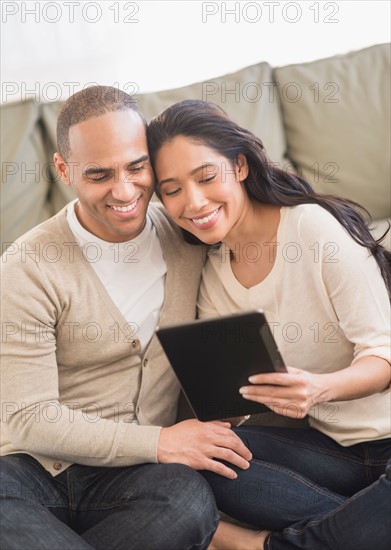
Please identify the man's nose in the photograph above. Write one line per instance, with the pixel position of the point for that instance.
(124, 188)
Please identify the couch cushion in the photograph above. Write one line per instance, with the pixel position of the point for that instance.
(378, 228)
(60, 194)
(25, 181)
(244, 95)
(336, 114)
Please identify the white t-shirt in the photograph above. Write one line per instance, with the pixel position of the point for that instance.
(327, 305)
(133, 273)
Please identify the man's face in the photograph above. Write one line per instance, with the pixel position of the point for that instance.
(110, 172)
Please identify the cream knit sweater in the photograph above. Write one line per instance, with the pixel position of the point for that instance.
(327, 305)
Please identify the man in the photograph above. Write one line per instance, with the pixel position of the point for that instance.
(93, 458)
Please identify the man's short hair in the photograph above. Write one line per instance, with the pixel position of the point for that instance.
(89, 103)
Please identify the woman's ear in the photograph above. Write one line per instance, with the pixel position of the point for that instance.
(241, 167)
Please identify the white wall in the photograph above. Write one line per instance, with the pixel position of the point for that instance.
(53, 48)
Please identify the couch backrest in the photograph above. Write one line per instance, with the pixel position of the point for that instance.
(244, 95)
(330, 117)
(336, 115)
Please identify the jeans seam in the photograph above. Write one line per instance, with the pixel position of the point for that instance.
(317, 521)
(321, 450)
(302, 479)
(71, 501)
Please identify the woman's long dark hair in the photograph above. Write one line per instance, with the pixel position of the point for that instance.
(207, 123)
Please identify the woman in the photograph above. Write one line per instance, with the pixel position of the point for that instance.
(310, 262)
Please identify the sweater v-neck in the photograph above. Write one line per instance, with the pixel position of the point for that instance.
(267, 284)
(99, 286)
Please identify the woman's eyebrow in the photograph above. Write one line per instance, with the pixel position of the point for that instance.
(194, 171)
(204, 165)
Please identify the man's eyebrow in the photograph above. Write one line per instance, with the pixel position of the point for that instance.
(194, 171)
(143, 158)
(99, 169)
(96, 170)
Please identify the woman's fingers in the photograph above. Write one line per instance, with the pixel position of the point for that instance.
(277, 378)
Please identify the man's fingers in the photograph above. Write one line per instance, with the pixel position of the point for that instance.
(238, 449)
(227, 439)
(223, 424)
(230, 440)
(222, 453)
(221, 430)
(220, 469)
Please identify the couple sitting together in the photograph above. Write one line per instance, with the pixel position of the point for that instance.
(92, 454)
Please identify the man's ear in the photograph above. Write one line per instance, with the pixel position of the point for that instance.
(62, 169)
(241, 167)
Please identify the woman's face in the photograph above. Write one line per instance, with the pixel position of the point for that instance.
(201, 190)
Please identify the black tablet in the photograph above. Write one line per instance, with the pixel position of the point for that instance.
(214, 357)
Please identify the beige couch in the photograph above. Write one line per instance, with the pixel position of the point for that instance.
(329, 118)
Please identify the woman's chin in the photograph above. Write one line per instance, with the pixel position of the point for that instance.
(210, 241)
(207, 237)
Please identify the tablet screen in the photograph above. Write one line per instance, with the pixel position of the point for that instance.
(213, 358)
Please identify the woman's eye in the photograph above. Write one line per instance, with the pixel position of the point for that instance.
(171, 193)
(209, 179)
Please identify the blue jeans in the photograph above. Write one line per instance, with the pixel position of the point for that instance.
(145, 507)
(311, 492)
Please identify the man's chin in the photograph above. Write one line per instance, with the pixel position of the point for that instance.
(129, 230)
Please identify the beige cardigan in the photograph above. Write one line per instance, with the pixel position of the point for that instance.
(72, 377)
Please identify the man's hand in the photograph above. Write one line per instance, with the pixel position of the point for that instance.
(236, 421)
(197, 444)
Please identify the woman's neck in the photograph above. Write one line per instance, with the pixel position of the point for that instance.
(258, 223)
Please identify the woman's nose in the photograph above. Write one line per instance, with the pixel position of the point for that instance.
(196, 199)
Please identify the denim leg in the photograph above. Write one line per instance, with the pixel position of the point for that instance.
(296, 474)
(343, 470)
(270, 496)
(145, 507)
(34, 508)
(362, 522)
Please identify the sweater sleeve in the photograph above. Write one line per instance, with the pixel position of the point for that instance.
(34, 418)
(352, 280)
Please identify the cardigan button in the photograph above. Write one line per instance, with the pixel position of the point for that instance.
(135, 344)
(57, 466)
(145, 362)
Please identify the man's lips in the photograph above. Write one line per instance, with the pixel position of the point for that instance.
(127, 210)
(124, 208)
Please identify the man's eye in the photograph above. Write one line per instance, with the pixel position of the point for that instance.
(98, 179)
(135, 169)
